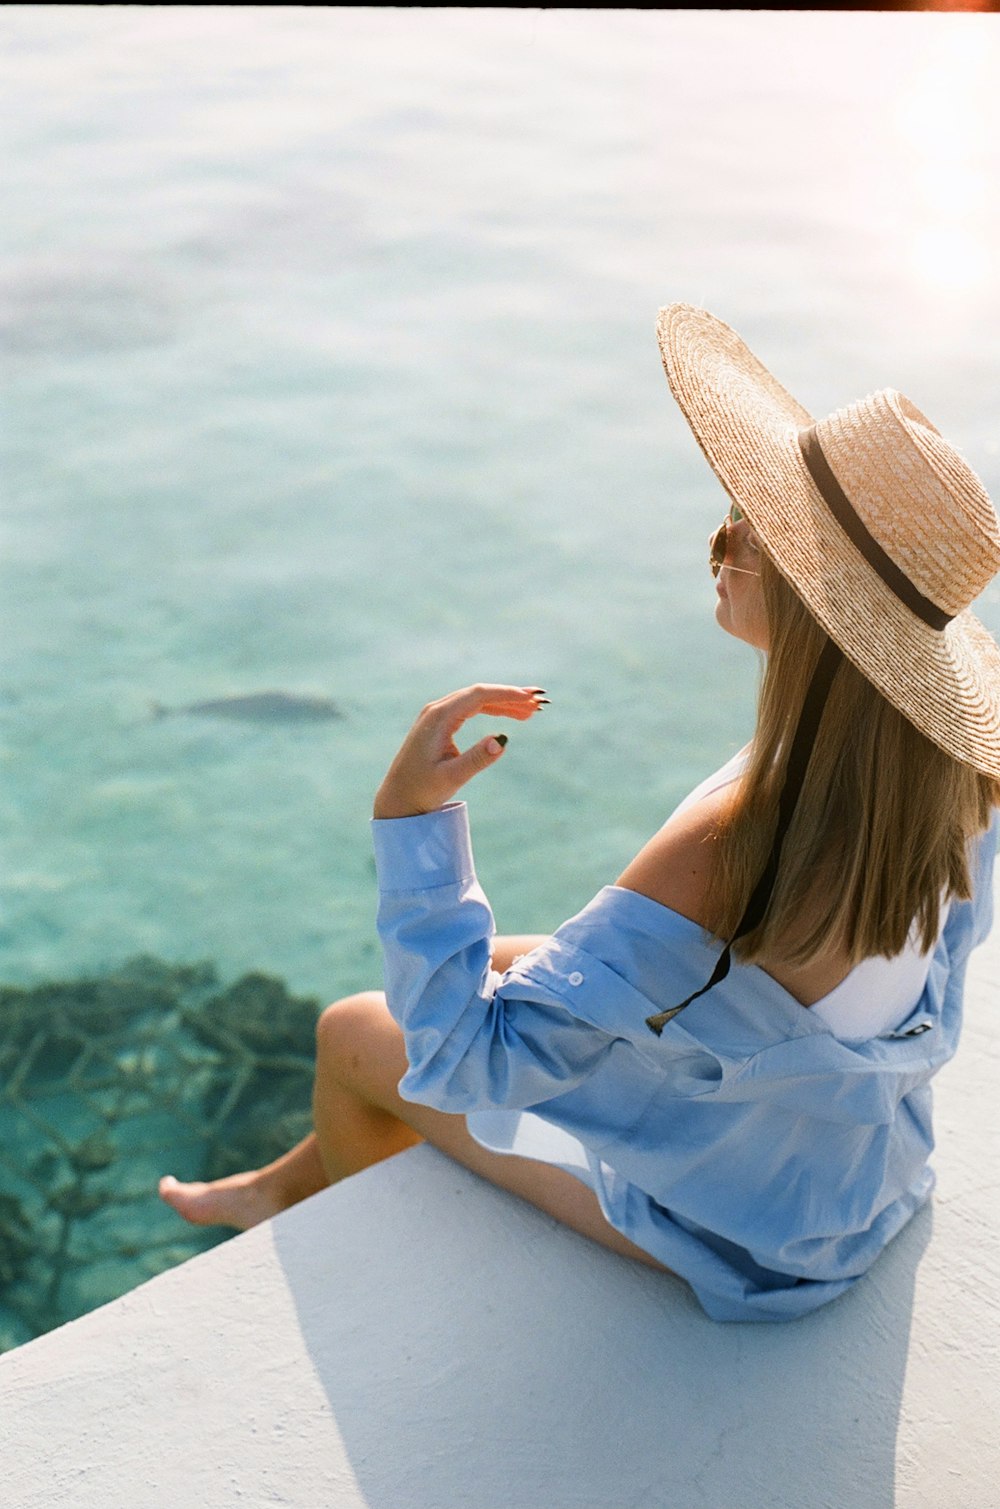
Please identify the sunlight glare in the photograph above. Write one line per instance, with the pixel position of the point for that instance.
(950, 258)
(938, 119)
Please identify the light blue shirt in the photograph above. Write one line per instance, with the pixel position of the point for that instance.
(748, 1149)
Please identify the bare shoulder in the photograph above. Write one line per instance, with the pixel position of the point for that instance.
(675, 867)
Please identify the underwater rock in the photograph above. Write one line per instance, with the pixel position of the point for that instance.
(92, 1154)
(45, 1029)
(73, 1201)
(259, 707)
(192, 1076)
(16, 1244)
(258, 1013)
(261, 1135)
(265, 1042)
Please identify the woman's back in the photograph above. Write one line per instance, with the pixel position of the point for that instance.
(854, 1001)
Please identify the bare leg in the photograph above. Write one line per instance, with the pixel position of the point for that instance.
(361, 1119)
(244, 1199)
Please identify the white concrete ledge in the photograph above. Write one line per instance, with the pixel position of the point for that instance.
(414, 1339)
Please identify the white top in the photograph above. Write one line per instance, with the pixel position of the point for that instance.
(879, 993)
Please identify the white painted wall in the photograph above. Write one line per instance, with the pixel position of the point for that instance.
(414, 1339)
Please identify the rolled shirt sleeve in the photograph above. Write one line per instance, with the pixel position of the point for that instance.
(474, 1039)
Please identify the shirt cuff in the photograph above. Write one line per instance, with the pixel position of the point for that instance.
(416, 853)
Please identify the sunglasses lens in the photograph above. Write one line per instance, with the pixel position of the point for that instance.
(717, 548)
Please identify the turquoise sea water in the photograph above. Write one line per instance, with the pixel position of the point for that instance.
(330, 369)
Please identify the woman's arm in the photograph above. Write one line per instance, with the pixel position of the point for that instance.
(674, 868)
(474, 1038)
(471, 1040)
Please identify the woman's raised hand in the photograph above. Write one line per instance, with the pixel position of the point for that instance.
(429, 767)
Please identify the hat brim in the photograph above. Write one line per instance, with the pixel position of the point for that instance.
(947, 683)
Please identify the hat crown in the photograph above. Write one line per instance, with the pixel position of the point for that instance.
(916, 495)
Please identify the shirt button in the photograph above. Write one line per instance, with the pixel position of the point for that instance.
(576, 978)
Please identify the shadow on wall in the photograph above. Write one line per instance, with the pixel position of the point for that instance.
(485, 1358)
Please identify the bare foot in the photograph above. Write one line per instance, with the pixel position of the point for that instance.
(242, 1200)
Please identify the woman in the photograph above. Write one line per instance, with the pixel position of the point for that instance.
(721, 1066)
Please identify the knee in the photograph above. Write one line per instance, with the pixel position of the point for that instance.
(359, 1047)
(342, 1027)
(333, 1028)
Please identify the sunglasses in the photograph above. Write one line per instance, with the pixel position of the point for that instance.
(721, 543)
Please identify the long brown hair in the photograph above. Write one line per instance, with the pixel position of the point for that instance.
(881, 828)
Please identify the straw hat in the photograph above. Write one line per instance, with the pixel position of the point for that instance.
(878, 523)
